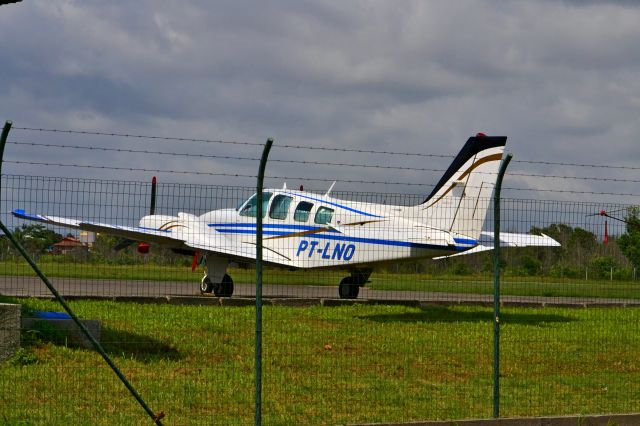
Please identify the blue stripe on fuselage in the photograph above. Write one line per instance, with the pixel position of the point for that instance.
(465, 241)
(345, 238)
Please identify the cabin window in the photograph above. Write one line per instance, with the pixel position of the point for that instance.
(324, 215)
(251, 208)
(302, 211)
(280, 207)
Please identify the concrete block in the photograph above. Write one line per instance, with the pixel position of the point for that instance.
(9, 330)
(195, 300)
(292, 302)
(237, 301)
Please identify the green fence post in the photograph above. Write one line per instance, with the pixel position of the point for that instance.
(496, 286)
(263, 164)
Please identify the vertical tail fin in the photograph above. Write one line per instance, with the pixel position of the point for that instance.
(460, 200)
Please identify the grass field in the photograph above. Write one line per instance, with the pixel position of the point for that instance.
(511, 285)
(326, 365)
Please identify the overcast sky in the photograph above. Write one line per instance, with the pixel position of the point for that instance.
(561, 79)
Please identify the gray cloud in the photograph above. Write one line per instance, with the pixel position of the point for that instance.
(558, 77)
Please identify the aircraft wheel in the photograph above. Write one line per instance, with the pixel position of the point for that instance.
(206, 286)
(348, 288)
(225, 288)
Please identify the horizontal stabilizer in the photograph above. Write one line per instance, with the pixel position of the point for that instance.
(508, 239)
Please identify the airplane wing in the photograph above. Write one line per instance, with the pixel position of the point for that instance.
(130, 232)
(190, 237)
(508, 239)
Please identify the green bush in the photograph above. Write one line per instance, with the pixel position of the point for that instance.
(600, 266)
(531, 266)
(23, 357)
(461, 269)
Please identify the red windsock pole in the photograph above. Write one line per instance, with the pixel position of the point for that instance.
(606, 232)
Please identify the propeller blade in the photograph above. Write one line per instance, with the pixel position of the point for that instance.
(152, 207)
(123, 243)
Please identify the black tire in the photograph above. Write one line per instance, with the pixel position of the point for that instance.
(206, 286)
(348, 288)
(225, 288)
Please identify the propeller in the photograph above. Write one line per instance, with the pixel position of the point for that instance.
(143, 248)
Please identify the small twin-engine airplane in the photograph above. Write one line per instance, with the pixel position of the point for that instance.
(307, 230)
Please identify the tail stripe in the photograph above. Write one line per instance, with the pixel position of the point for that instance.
(473, 146)
(494, 157)
(488, 158)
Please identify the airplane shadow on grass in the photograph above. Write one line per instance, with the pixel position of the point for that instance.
(116, 343)
(439, 314)
(137, 346)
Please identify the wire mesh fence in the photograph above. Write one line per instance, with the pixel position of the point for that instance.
(423, 352)
(386, 341)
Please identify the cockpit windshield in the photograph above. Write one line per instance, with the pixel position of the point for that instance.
(250, 208)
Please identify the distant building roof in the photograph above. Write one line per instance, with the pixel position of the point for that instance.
(69, 242)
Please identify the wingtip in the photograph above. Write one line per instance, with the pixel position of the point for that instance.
(552, 242)
(21, 214)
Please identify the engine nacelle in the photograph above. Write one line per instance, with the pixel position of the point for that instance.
(157, 221)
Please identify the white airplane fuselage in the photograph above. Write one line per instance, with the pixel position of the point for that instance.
(307, 230)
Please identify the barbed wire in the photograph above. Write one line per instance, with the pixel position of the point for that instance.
(361, 151)
(306, 162)
(316, 190)
(131, 169)
(224, 157)
(168, 138)
(128, 135)
(94, 180)
(300, 178)
(557, 163)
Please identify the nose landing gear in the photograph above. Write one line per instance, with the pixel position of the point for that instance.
(221, 289)
(216, 279)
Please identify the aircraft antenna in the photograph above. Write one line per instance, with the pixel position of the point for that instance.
(330, 188)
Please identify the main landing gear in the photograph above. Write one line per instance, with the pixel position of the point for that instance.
(221, 289)
(216, 280)
(350, 286)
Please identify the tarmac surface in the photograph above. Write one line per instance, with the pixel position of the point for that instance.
(129, 289)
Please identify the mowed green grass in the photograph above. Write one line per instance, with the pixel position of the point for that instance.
(510, 285)
(322, 365)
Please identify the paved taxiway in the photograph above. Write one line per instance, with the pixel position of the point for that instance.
(73, 287)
